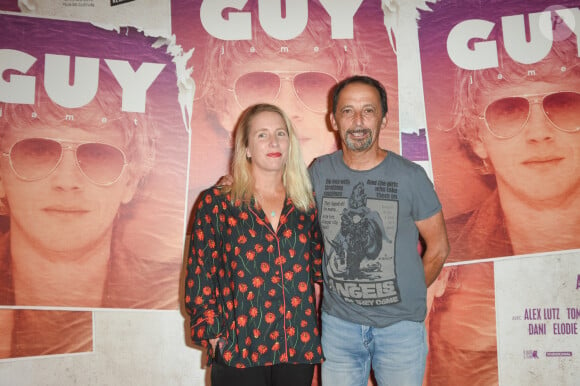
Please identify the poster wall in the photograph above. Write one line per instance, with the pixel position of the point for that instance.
(501, 82)
(93, 179)
(485, 95)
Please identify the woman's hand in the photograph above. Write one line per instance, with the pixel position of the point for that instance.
(214, 343)
(217, 343)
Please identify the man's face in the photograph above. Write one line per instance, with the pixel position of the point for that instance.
(539, 163)
(63, 211)
(299, 88)
(358, 117)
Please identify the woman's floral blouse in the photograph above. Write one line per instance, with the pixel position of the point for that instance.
(254, 287)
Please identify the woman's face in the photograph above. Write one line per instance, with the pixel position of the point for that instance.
(301, 89)
(540, 164)
(64, 211)
(268, 142)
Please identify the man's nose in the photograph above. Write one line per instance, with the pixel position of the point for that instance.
(538, 127)
(67, 174)
(288, 99)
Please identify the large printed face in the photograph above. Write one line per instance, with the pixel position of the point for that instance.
(300, 88)
(538, 162)
(67, 205)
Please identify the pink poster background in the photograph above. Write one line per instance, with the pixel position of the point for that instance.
(149, 228)
(67, 243)
(523, 199)
(217, 64)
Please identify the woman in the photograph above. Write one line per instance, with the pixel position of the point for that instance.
(255, 254)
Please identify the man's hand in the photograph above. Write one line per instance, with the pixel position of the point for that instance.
(226, 180)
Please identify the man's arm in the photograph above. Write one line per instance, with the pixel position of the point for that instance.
(434, 234)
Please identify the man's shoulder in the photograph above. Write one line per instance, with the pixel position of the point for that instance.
(402, 169)
(325, 160)
(400, 161)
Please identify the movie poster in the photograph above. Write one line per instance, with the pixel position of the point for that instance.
(502, 90)
(115, 115)
(247, 53)
(92, 177)
(539, 329)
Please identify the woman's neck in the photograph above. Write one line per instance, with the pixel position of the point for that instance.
(270, 194)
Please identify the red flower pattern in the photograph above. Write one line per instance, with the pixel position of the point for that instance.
(246, 280)
(265, 267)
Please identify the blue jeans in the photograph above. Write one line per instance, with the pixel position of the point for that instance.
(397, 353)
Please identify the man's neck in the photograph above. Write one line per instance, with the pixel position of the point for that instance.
(55, 279)
(363, 160)
(540, 228)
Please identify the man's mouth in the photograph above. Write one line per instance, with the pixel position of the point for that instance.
(358, 133)
(65, 210)
(541, 161)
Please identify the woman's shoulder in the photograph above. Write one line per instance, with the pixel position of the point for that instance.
(214, 194)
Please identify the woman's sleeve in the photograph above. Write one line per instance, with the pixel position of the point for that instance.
(202, 291)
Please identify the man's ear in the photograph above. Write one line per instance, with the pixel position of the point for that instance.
(3, 200)
(384, 121)
(130, 189)
(333, 122)
(479, 148)
(2, 191)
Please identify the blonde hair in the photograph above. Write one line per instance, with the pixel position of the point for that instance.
(295, 178)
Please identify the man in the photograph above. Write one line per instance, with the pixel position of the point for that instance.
(373, 314)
